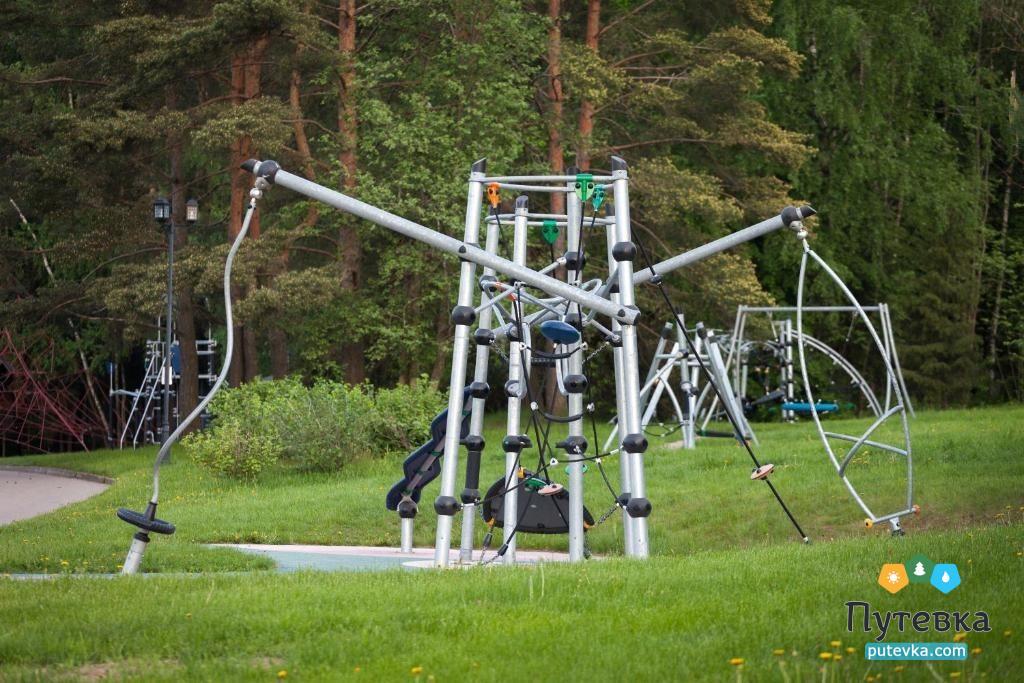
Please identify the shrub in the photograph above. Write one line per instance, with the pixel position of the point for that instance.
(404, 414)
(326, 426)
(233, 450)
(319, 428)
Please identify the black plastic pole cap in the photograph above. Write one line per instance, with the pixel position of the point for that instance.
(522, 202)
(407, 509)
(791, 214)
(638, 507)
(619, 164)
(249, 166)
(479, 166)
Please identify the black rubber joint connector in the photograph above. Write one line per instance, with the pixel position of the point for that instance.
(473, 442)
(638, 507)
(483, 337)
(463, 315)
(634, 443)
(576, 445)
(515, 443)
(479, 389)
(624, 251)
(575, 384)
(446, 505)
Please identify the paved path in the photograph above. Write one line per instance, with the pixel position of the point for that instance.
(290, 558)
(27, 494)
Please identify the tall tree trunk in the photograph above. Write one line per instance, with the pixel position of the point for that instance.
(441, 339)
(586, 125)
(556, 154)
(184, 319)
(245, 85)
(993, 333)
(351, 254)
(556, 157)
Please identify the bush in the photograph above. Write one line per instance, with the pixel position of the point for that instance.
(320, 428)
(404, 414)
(242, 442)
(234, 451)
(325, 427)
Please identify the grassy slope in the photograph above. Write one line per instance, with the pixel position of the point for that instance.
(731, 591)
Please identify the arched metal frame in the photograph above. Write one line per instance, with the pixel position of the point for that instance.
(894, 386)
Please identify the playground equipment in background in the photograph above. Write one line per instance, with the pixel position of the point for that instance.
(141, 424)
(41, 411)
(520, 307)
(895, 390)
(749, 356)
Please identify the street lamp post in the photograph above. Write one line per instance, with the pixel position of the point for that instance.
(162, 214)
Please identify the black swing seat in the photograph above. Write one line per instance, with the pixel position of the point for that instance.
(538, 513)
(142, 521)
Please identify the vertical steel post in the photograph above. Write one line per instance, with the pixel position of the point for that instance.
(165, 428)
(515, 389)
(463, 316)
(574, 213)
(631, 434)
(787, 336)
(620, 406)
(476, 418)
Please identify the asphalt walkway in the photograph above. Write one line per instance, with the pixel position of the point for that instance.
(25, 494)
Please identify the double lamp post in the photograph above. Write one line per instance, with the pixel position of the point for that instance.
(162, 214)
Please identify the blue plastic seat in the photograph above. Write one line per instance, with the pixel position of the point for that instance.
(559, 332)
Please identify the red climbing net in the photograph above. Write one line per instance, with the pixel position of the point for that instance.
(41, 411)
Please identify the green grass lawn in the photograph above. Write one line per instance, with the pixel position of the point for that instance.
(729, 579)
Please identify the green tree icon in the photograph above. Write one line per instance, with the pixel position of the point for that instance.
(919, 569)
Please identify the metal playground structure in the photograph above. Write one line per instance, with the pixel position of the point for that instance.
(552, 317)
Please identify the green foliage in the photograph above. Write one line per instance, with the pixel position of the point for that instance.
(321, 428)
(234, 449)
(404, 413)
(902, 126)
(324, 427)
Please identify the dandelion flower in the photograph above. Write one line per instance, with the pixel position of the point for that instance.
(959, 637)
(282, 674)
(850, 650)
(898, 668)
(64, 563)
(778, 652)
(736, 661)
(836, 657)
(825, 655)
(975, 650)
(358, 669)
(954, 674)
(416, 670)
(836, 643)
(1007, 633)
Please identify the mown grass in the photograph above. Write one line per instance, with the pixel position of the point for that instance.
(728, 581)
